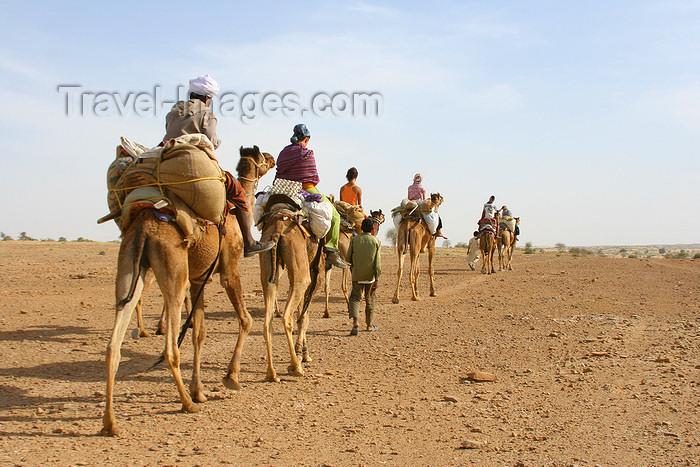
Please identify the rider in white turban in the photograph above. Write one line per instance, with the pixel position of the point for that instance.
(204, 85)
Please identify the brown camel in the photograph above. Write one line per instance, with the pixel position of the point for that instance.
(487, 245)
(294, 249)
(506, 245)
(415, 237)
(343, 244)
(151, 243)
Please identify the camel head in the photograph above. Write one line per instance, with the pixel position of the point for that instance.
(378, 216)
(437, 200)
(253, 163)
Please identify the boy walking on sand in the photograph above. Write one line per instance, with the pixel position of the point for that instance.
(364, 255)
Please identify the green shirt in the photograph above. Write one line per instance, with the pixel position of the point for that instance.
(364, 254)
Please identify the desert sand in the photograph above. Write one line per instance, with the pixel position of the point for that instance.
(596, 362)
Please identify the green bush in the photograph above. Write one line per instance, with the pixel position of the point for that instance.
(528, 248)
(462, 245)
(696, 256)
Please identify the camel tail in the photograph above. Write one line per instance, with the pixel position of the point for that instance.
(137, 246)
(274, 259)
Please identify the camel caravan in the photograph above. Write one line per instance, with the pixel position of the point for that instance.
(183, 219)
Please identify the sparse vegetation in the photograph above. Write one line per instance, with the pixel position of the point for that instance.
(5, 237)
(446, 243)
(678, 255)
(62, 239)
(24, 236)
(81, 239)
(392, 235)
(462, 245)
(662, 251)
(696, 256)
(600, 252)
(561, 248)
(633, 255)
(528, 248)
(575, 251)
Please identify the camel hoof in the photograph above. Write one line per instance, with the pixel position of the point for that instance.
(190, 408)
(199, 397)
(160, 331)
(415, 299)
(113, 431)
(272, 378)
(327, 315)
(231, 383)
(395, 300)
(433, 294)
(306, 359)
(295, 371)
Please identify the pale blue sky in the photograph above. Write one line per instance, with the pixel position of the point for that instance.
(582, 117)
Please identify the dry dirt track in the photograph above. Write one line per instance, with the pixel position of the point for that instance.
(597, 360)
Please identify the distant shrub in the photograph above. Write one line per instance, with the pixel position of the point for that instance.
(600, 252)
(580, 252)
(528, 248)
(81, 239)
(446, 244)
(696, 256)
(24, 236)
(462, 245)
(5, 237)
(62, 239)
(623, 251)
(561, 248)
(633, 255)
(662, 251)
(679, 255)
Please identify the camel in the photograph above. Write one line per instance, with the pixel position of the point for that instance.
(294, 249)
(414, 236)
(152, 243)
(343, 244)
(487, 245)
(506, 244)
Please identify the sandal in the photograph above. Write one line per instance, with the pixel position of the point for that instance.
(353, 331)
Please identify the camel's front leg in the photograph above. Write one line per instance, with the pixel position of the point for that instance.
(296, 295)
(301, 347)
(344, 284)
(327, 289)
(270, 296)
(431, 270)
(415, 272)
(399, 273)
(199, 333)
(234, 289)
(113, 356)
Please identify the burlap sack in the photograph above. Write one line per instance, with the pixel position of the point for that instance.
(353, 214)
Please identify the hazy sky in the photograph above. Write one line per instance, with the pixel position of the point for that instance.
(582, 116)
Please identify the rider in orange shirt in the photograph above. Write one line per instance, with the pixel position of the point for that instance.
(351, 193)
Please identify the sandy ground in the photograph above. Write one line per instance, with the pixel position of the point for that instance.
(597, 362)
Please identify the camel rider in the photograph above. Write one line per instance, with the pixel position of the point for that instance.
(416, 192)
(350, 192)
(488, 214)
(195, 116)
(508, 215)
(296, 162)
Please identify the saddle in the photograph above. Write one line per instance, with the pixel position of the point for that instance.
(285, 206)
(487, 226)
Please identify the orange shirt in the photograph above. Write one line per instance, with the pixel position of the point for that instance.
(348, 195)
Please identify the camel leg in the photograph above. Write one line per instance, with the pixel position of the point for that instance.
(234, 289)
(327, 289)
(139, 321)
(270, 298)
(399, 273)
(344, 284)
(431, 271)
(296, 295)
(302, 343)
(199, 333)
(414, 249)
(113, 356)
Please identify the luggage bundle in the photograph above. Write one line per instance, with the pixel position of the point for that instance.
(183, 175)
(420, 209)
(351, 216)
(318, 210)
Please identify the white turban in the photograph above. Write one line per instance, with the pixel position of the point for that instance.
(204, 85)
